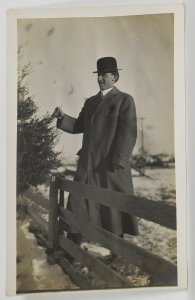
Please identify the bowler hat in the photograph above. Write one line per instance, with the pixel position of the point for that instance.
(106, 65)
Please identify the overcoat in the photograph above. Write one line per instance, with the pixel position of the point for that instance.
(109, 128)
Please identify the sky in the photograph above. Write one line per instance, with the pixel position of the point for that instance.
(63, 55)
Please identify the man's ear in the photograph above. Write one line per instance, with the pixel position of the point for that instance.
(116, 77)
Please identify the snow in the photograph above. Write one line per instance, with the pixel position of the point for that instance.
(33, 270)
(28, 235)
(161, 186)
(95, 249)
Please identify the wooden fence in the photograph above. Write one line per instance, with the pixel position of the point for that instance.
(165, 215)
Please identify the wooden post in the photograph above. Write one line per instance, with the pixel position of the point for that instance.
(94, 213)
(53, 213)
(61, 204)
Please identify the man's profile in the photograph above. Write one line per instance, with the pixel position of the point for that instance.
(109, 126)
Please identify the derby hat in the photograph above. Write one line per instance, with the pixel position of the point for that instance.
(106, 65)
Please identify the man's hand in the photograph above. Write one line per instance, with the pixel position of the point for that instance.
(58, 113)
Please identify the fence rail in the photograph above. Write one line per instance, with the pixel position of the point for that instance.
(154, 211)
(59, 217)
(112, 278)
(38, 199)
(156, 266)
(44, 225)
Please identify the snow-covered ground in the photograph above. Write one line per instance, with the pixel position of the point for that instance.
(153, 237)
(158, 185)
(34, 273)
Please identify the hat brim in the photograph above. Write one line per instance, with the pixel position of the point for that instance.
(109, 71)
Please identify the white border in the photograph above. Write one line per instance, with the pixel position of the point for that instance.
(180, 145)
(11, 154)
(179, 90)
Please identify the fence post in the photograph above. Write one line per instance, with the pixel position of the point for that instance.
(53, 213)
(94, 213)
(61, 204)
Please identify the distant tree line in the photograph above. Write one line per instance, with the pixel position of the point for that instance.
(161, 160)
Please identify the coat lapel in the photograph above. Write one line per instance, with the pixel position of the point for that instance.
(106, 101)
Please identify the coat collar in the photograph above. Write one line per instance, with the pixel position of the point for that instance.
(108, 99)
(113, 92)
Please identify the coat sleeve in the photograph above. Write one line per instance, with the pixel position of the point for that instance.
(126, 132)
(72, 125)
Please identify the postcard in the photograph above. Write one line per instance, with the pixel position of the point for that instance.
(96, 148)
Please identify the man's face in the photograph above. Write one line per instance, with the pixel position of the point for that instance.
(106, 81)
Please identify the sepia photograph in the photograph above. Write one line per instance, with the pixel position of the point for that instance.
(96, 204)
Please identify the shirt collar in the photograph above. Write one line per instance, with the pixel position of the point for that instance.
(106, 91)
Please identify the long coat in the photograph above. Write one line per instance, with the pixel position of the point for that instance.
(109, 130)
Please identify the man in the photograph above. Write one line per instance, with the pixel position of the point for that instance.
(109, 127)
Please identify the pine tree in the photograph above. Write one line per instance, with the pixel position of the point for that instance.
(36, 137)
